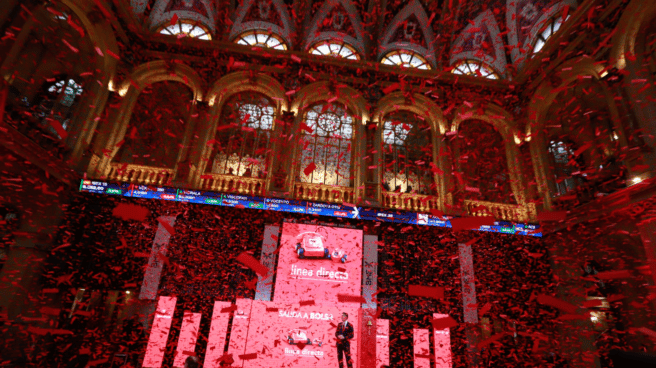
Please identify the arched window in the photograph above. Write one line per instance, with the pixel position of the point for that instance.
(56, 102)
(186, 28)
(565, 165)
(406, 59)
(335, 48)
(407, 154)
(47, 77)
(326, 145)
(483, 164)
(261, 38)
(474, 68)
(547, 32)
(156, 130)
(242, 148)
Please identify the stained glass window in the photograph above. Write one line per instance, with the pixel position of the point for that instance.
(184, 28)
(547, 32)
(406, 59)
(474, 68)
(242, 148)
(261, 39)
(327, 142)
(336, 49)
(407, 154)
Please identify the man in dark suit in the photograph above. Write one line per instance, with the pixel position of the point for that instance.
(344, 335)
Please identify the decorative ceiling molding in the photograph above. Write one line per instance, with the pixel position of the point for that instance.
(267, 15)
(481, 40)
(525, 18)
(337, 19)
(409, 30)
(201, 11)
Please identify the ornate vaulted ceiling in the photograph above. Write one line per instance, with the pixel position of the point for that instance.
(498, 33)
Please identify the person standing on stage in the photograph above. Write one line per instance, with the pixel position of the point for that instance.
(344, 335)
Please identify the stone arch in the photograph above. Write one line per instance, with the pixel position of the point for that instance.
(131, 88)
(101, 36)
(329, 93)
(221, 91)
(321, 91)
(545, 95)
(635, 18)
(422, 106)
(158, 71)
(503, 122)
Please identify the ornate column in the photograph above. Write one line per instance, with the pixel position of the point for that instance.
(371, 170)
(187, 165)
(98, 152)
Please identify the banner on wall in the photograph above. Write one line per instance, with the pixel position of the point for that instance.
(370, 271)
(268, 260)
(468, 284)
(153, 274)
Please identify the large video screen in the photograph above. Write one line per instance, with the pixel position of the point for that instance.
(289, 335)
(316, 263)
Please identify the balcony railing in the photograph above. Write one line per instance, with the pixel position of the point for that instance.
(230, 183)
(409, 201)
(323, 193)
(501, 211)
(139, 174)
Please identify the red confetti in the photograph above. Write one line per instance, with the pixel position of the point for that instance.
(552, 216)
(309, 169)
(469, 223)
(343, 298)
(609, 275)
(557, 303)
(434, 292)
(253, 264)
(444, 323)
(166, 226)
(131, 212)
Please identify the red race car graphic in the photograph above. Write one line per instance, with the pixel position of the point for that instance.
(298, 336)
(311, 245)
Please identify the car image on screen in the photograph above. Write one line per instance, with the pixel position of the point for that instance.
(311, 245)
(298, 336)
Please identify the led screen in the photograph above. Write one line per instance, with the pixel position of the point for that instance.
(289, 335)
(318, 263)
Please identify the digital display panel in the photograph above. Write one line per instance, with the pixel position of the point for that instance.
(289, 334)
(318, 263)
(293, 206)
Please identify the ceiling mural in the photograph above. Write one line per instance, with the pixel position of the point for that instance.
(409, 30)
(525, 18)
(481, 40)
(339, 20)
(201, 11)
(263, 15)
